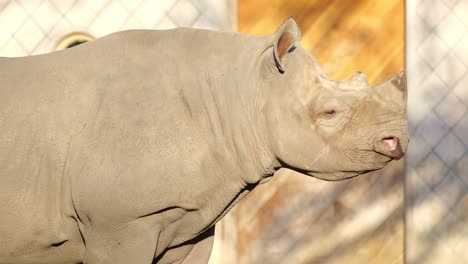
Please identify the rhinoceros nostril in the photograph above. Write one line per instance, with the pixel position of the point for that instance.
(391, 143)
(390, 147)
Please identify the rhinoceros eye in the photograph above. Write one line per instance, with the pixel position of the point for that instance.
(330, 113)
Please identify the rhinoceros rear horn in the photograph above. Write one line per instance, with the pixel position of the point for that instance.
(395, 89)
(285, 40)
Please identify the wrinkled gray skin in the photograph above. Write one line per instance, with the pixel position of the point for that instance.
(132, 147)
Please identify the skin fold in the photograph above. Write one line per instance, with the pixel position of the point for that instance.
(130, 148)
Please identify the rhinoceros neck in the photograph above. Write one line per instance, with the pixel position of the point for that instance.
(224, 103)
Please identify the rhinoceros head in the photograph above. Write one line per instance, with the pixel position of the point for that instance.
(329, 129)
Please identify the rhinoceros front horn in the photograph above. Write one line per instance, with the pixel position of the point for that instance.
(395, 89)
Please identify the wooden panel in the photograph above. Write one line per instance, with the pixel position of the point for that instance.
(345, 36)
(297, 219)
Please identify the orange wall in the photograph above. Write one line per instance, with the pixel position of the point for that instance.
(346, 36)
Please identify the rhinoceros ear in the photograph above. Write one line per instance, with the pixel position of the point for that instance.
(285, 40)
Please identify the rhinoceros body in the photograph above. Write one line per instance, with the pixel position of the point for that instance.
(130, 148)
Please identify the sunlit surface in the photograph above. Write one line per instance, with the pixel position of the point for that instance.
(296, 219)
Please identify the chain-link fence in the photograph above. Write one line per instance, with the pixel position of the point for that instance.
(437, 162)
(35, 27)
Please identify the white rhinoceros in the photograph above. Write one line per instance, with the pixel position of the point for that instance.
(129, 149)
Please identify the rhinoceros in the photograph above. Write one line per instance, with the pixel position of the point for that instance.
(130, 148)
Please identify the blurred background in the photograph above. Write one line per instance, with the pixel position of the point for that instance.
(413, 211)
